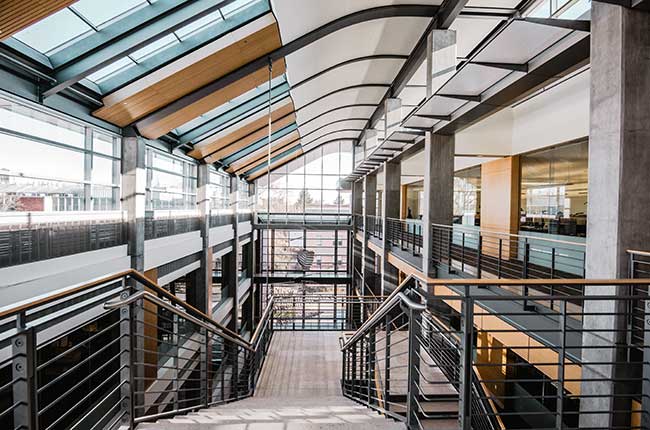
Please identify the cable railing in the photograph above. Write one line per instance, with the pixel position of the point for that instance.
(404, 234)
(116, 352)
(469, 352)
(373, 226)
(321, 312)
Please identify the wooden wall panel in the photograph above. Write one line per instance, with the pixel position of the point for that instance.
(16, 15)
(241, 130)
(249, 139)
(124, 111)
(260, 155)
(500, 202)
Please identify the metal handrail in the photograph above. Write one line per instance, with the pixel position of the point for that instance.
(395, 297)
(145, 295)
(114, 277)
(263, 321)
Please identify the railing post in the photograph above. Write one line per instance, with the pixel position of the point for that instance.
(370, 363)
(412, 403)
(23, 349)
(466, 371)
(127, 344)
(387, 365)
(524, 275)
(205, 350)
(478, 256)
(561, 354)
(645, 389)
(499, 258)
(462, 252)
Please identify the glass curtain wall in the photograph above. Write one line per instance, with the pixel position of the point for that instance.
(53, 164)
(554, 190)
(171, 181)
(309, 187)
(328, 249)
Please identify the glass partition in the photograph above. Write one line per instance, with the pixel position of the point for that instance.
(554, 190)
(467, 196)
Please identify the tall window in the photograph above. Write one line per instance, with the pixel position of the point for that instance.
(171, 181)
(219, 190)
(50, 163)
(310, 184)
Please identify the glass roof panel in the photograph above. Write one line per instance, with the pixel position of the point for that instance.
(198, 25)
(154, 47)
(236, 6)
(107, 71)
(101, 12)
(54, 31)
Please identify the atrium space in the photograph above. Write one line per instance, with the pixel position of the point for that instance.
(324, 214)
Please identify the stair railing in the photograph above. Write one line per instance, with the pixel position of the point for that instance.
(117, 351)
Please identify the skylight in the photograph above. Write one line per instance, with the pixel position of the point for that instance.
(100, 13)
(54, 32)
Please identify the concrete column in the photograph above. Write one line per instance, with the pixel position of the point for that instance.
(438, 191)
(199, 289)
(619, 157)
(393, 117)
(357, 197)
(391, 176)
(134, 197)
(441, 58)
(369, 208)
(230, 261)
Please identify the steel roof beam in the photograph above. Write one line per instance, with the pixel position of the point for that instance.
(291, 47)
(125, 36)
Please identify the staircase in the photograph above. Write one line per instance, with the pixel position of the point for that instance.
(299, 388)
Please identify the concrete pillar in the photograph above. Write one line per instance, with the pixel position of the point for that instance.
(393, 115)
(230, 262)
(441, 58)
(369, 208)
(357, 197)
(391, 175)
(199, 289)
(438, 191)
(619, 157)
(134, 180)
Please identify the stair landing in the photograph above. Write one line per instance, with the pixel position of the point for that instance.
(299, 388)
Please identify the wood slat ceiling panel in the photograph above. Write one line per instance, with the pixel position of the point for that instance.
(248, 140)
(261, 156)
(275, 165)
(124, 111)
(222, 139)
(206, 104)
(16, 15)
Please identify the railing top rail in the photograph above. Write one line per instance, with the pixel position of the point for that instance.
(513, 235)
(110, 278)
(554, 281)
(637, 252)
(260, 326)
(395, 297)
(145, 295)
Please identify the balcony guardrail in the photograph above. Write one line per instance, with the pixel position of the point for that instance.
(27, 237)
(307, 218)
(405, 234)
(320, 311)
(466, 353)
(374, 226)
(169, 223)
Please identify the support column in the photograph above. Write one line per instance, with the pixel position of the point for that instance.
(369, 209)
(391, 175)
(199, 289)
(619, 157)
(231, 263)
(438, 192)
(134, 197)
